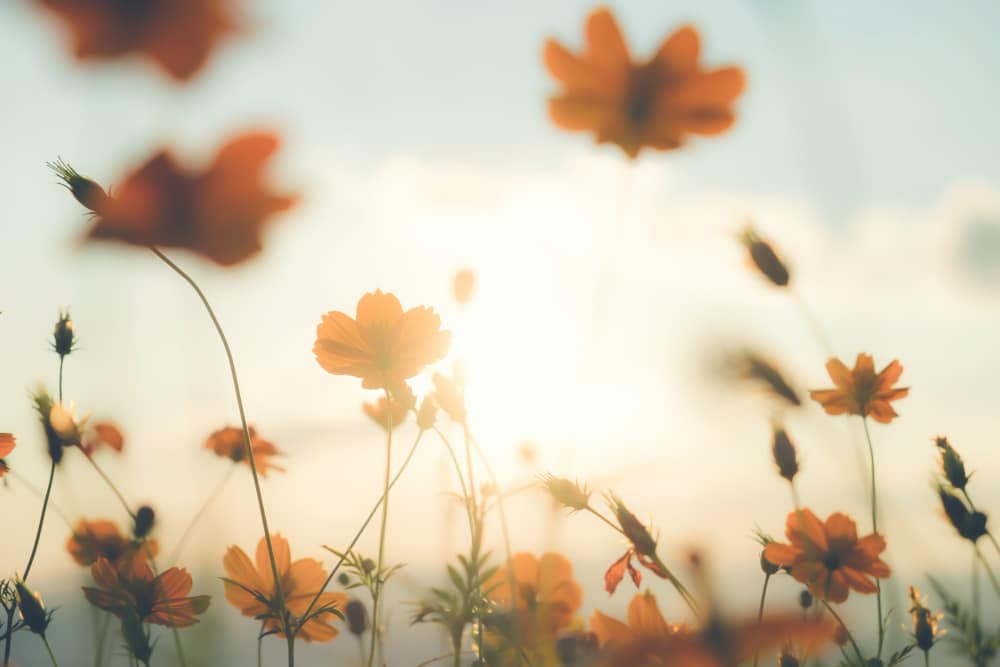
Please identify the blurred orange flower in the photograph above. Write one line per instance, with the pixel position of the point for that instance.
(7, 444)
(644, 622)
(378, 411)
(860, 391)
(382, 345)
(229, 443)
(102, 539)
(104, 434)
(218, 212)
(547, 596)
(462, 285)
(655, 104)
(130, 587)
(177, 34)
(829, 557)
(248, 586)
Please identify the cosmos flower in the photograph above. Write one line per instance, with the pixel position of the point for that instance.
(229, 443)
(547, 598)
(860, 391)
(102, 539)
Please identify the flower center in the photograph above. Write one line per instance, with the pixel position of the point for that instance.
(832, 560)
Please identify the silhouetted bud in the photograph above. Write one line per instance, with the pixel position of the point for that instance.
(343, 579)
(144, 518)
(925, 624)
(566, 493)
(952, 466)
(64, 335)
(970, 525)
(368, 565)
(874, 662)
(633, 529)
(765, 259)
(784, 455)
(33, 613)
(754, 367)
(805, 599)
(787, 659)
(767, 566)
(85, 190)
(357, 617)
(43, 406)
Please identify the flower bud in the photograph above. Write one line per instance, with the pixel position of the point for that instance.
(566, 493)
(765, 259)
(368, 565)
(805, 598)
(970, 525)
(784, 455)
(449, 396)
(633, 529)
(767, 566)
(144, 518)
(343, 579)
(43, 406)
(952, 466)
(85, 190)
(357, 617)
(33, 613)
(64, 335)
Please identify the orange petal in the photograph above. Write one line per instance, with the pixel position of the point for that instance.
(841, 529)
(608, 629)
(378, 309)
(805, 531)
(605, 45)
(857, 580)
(889, 375)
(645, 618)
(781, 554)
(679, 53)
(839, 373)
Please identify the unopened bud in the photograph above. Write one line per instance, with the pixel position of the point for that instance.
(85, 190)
(765, 259)
(33, 613)
(566, 493)
(952, 466)
(357, 617)
(787, 659)
(970, 525)
(767, 566)
(427, 414)
(144, 518)
(784, 455)
(805, 599)
(633, 529)
(64, 335)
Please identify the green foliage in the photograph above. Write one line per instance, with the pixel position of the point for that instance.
(966, 633)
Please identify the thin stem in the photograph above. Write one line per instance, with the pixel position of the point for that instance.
(461, 480)
(989, 571)
(878, 583)
(812, 322)
(52, 656)
(760, 611)
(260, 642)
(41, 520)
(381, 538)
(927, 659)
(975, 581)
(108, 482)
(279, 594)
(844, 626)
(53, 507)
(201, 511)
(101, 637)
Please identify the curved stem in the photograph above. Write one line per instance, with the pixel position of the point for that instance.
(833, 613)
(53, 507)
(461, 479)
(52, 656)
(279, 594)
(760, 611)
(108, 482)
(260, 641)
(41, 521)
(201, 511)
(878, 583)
(379, 583)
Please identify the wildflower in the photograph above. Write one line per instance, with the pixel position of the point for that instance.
(250, 588)
(64, 335)
(379, 412)
(952, 465)
(970, 524)
(102, 539)
(462, 285)
(218, 212)
(449, 394)
(104, 434)
(829, 557)
(547, 596)
(569, 494)
(784, 455)
(764, 258)
(634, 530)
(7, 444)
(32, 609)
(59, 422)
(860, 391)
(925, 624)
(129, 587)
(357, 617)
(427, 414)
(178, 35)
(229, 442)
(655, 104)
(644, 621)
(382, 345)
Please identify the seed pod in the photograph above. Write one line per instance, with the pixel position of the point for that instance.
(357, 617)
(784, 455)
(144, 518)
(765, 259)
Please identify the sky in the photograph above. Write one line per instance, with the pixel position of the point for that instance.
(417, 137)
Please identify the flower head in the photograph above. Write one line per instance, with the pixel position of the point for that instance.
(229, 442)
(64, 335)
(250, 588)
(653, 104)
(129, 587)
(925, 631)
(572, 495)
(970, 523)
(178, 35)
(378, 411)
(32, 608)
(644, 621)
(547, 596)
(382, 344)
(7, 444)
(59, 422)
(103, 539)
(829, 557)
(860, 391)
(219, 212)
(427, 414)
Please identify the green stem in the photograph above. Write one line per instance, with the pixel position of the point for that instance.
(279, 594)
(52, 656)
(760, 611)
(201, 511)
(379, 584)
(878, 583)
(101, 637)
(41, 521)
(260, 642)
(989, 571)
(833, 613)
(975, 581)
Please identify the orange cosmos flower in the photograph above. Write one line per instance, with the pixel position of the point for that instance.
(176, 34)
(378, 411)
(462, 285)
(130, 587)
(102, 539)
(644, 622)
(229, 443)
(382, 345)
(218, 212)
(7, 444)
(829, 557)
(655, 104)
(250, 588)
(104, 434)
(547, 594)
(860, 391)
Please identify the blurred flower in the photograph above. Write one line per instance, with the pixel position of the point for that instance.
(218, 212)
(102, 539)
(764, 258)
(7, 444)
(357, 617)
(644, 621)
(784, 455)
(129, 587)
(64, 335)
(178, 35)
(750, 366)
(547, 596)
(383, 345)
(970, 524)
(829, 557)
(250, 588)
(59, 422)
(32, 609)
(427, 414)
(104, 434)
(925, 624)
(463, 284)
(952, 465)
(449, 394)
(860, 391)
(379, 412)
(230, 443)
(655, 104)
(572, 495)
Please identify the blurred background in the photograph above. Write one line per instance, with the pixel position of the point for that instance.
(865, 150)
